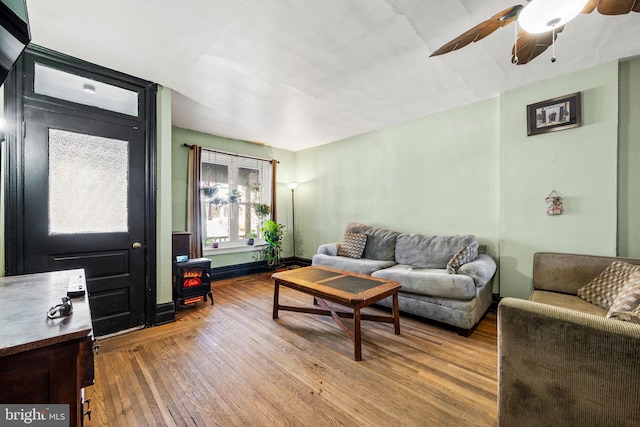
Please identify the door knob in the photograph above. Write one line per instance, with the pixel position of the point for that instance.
(137, 245)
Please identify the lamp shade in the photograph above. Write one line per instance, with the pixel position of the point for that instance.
(292, 185)
(541, 16)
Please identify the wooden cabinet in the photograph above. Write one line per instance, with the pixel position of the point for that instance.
(180, 244)
(44, 360)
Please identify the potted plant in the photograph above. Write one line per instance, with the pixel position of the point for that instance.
(262, 210)
(234, 195)
(272, 232)
(255, 186)
(217, 201)
(209, 192)
(251, 238)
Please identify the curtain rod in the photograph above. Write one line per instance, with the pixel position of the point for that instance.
(233, 154)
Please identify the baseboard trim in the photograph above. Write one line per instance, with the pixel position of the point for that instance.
(165, 313)
(237, 270)
(297, 261)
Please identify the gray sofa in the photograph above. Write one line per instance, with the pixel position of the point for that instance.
(419, 264)
(560, 360)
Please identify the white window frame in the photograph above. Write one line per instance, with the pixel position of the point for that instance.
(236, 242)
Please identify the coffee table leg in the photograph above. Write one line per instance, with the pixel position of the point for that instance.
(357, 337)
(396, 314)
(276, 291)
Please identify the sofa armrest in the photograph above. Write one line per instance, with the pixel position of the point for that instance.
(329, 249)
(562, 367)
(481, 269)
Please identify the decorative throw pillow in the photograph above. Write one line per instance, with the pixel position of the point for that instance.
(604, 288)
(628, 316)
(629, 297)
(463, 256)
(352, 245)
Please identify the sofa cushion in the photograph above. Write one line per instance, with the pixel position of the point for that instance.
(352, 245)
(423, 251)
(570, 302)
(381, 243)
(361, 266)
(605, 287)
(629, 297)
(431, 282)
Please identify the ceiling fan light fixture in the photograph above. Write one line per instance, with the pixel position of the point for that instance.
(540, 16)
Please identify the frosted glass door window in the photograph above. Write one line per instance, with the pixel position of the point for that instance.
(88, 183)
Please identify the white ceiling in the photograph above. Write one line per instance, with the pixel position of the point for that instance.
(295, 74)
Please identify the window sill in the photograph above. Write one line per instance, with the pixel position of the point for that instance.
(234, 249)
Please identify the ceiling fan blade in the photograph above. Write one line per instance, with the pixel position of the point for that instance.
(590, 6)
(481, 30)
(531, 45)
(617, 7)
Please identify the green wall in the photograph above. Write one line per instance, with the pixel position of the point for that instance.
(629, 155)
(284, 174)
(434, 175)
(580, 164)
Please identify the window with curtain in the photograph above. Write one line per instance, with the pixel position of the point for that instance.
(230, 188)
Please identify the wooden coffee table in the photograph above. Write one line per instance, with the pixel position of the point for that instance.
(342, 287)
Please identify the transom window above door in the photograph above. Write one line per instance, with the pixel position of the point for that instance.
(59, 84)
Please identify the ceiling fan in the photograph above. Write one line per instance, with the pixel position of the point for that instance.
(540, 22)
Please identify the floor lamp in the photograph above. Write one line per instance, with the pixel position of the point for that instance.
(292, 186)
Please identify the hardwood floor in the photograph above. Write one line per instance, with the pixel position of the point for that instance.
(231, 364)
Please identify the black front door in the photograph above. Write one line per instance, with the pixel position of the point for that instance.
(80, 182)
(84, 207)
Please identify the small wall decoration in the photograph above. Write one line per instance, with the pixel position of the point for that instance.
(554, 204)
(554, 114)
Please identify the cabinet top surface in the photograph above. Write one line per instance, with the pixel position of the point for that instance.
(26, 299)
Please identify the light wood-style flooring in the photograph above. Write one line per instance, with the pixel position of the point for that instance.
(231, 364)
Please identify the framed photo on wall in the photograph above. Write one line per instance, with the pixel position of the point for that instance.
(555, 114)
